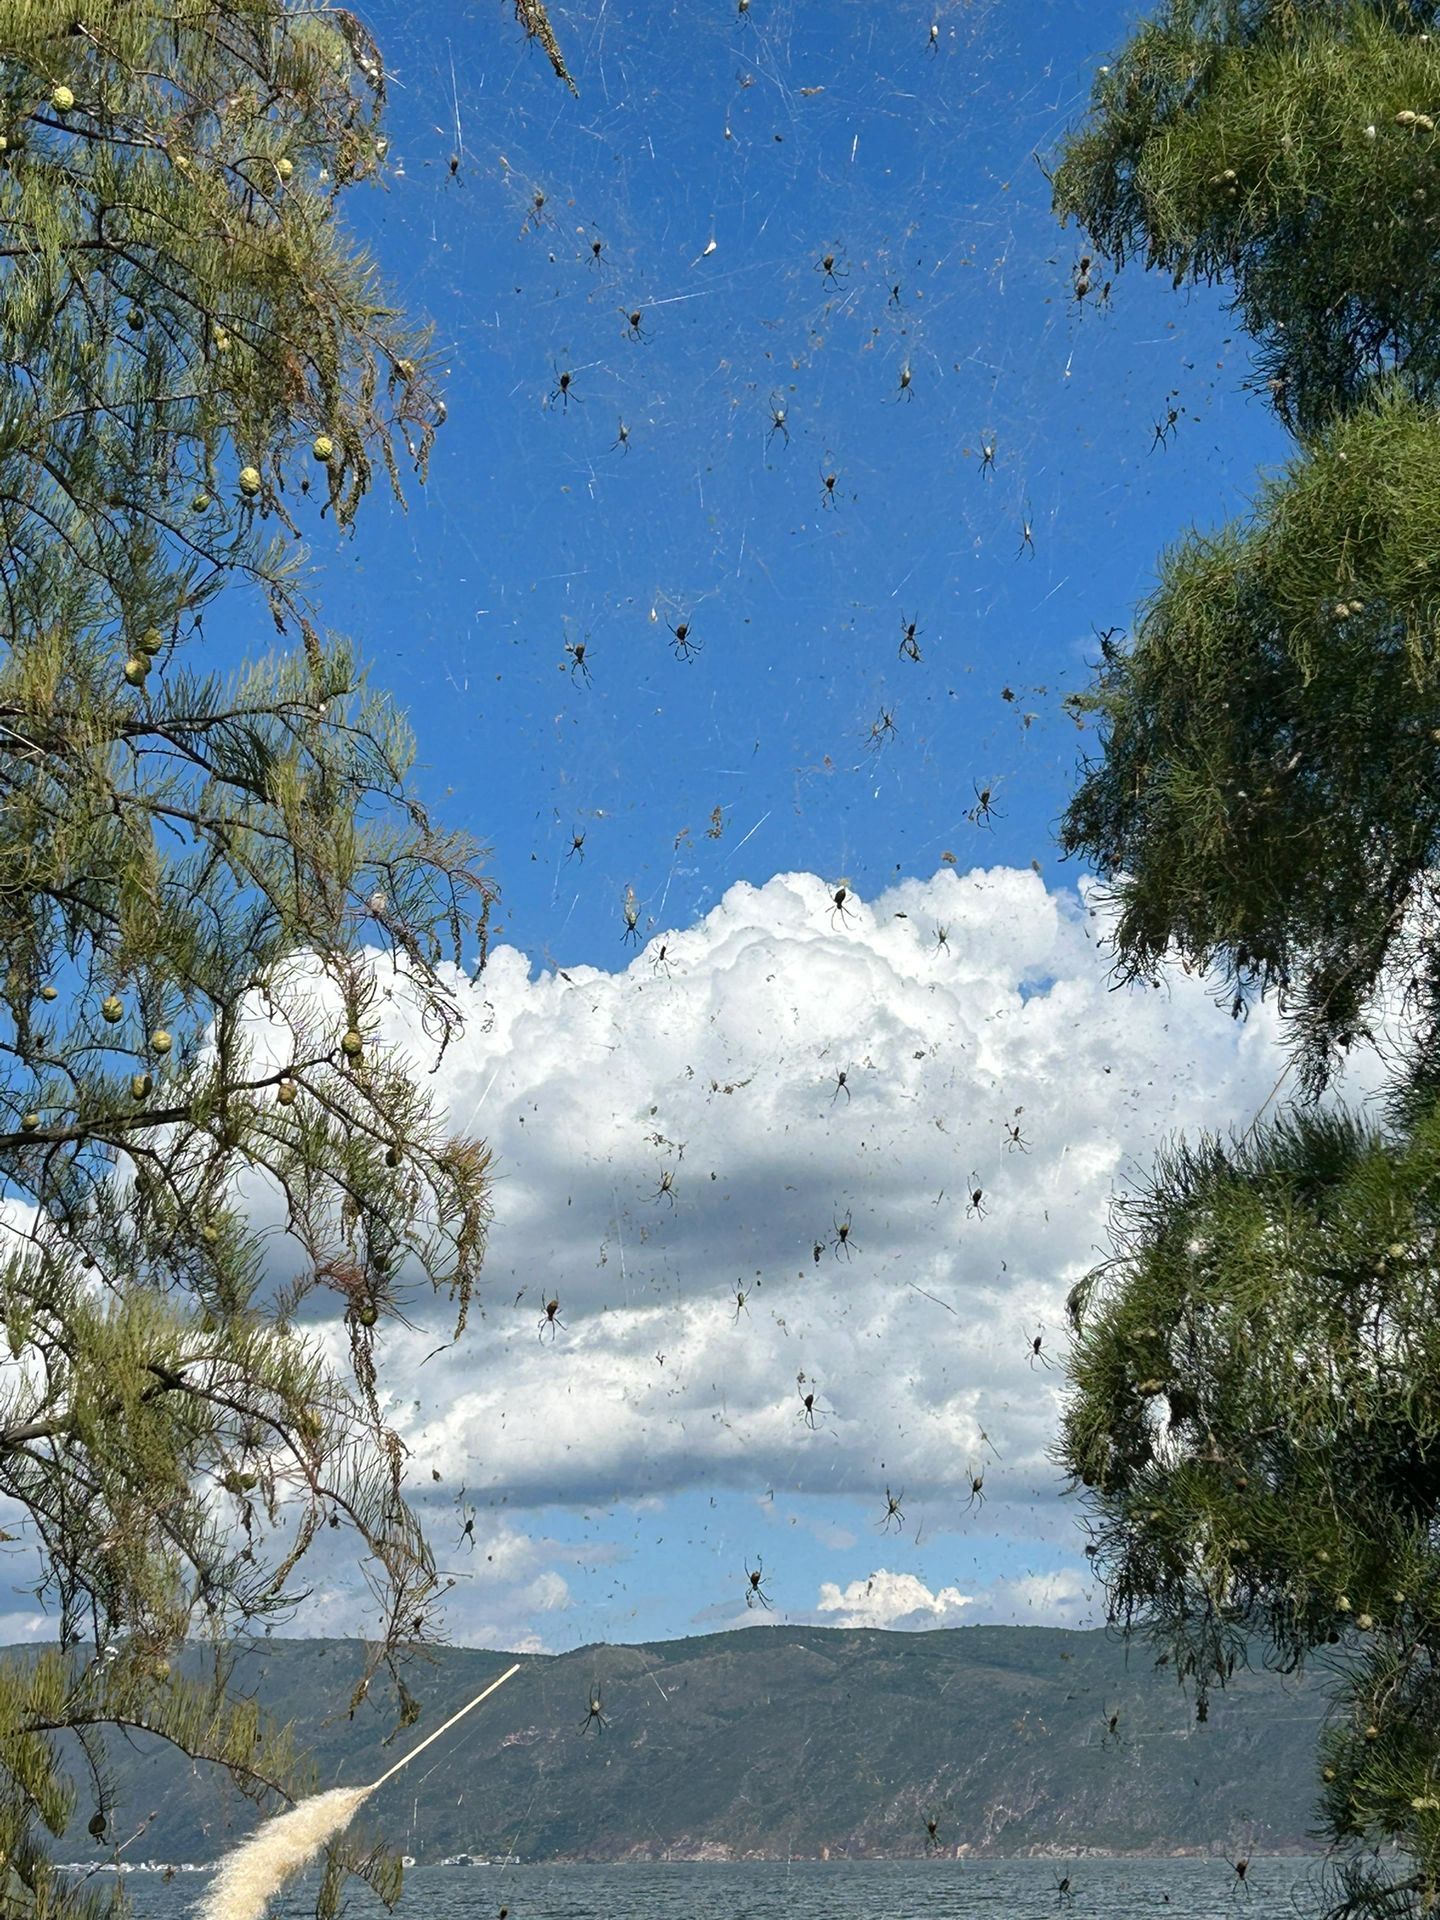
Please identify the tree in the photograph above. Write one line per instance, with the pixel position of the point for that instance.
(1256, 1370)
(195, 357)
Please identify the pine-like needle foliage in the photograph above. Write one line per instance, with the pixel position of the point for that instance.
(1270, 783)
(194, 354)
(1288, 149)
(1256, 1407)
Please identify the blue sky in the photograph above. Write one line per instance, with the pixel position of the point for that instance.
(626, 1474)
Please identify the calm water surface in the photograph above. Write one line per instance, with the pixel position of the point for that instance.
(873, 1890)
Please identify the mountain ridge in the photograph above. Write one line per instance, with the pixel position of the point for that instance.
(774, 1742)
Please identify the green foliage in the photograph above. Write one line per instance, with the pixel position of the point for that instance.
(1257, 1414)
(1275, 721)
(1256, 1372)
(189, 871)
(1287, 147)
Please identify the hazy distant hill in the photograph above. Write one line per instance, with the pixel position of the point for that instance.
(783, 1741)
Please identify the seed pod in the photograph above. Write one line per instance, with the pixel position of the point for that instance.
(285, 1093)
(136, 668)
(367, 1314)
(250, 481)
(200, 503)
(49, 993)
(160, 1041)
(30, 1122)
(352, 1044)
(112, 1009)
(284, 167)
(140, 1085)
(62, 99)
(1364, 1622)
(323, 446)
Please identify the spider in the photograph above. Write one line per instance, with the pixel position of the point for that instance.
(666, 1188)
(895, 299)
(881, 727)
(597, 247)
(595, 1716)
(686, 645)
(454, 165)
(817, 1250)
(632, 917)
(905, 378)
(892, 1511)
(562, 389)
(984, 809)
(467, 1532)
(843, 1242)
(742, 7)
(934, 44)
(1165, 429)
(1027, 536)
(828, 498)
(1064, 1892)
(622, 439)
(1241, 1867)
(842, 1085)
(977, 1490)
(1112, 1724)
(976, 1203)
(576, 651)
(777, 423)
(755, 1594)
(932, 1833)
(942, 938)
(909, 644)
(987, 454)
(838, 906)
(808, 1408)
(577, 846)
(1034, 1342)
(551, 1319)
(634, 322)
(1014, 1138)
(1082, 277)
(741, 1296)
(829, 268)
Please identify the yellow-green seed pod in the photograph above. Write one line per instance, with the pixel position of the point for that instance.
(353, 1044)
(200, 503)
(30, 1122)
(62, 99)
(323, 447)
(112, 1009)
(49, 993)
(250, 481)
(284, 167)
(160, 1041)
(151, 641)
(140, 1085)
(285, 1093)
(136, 668)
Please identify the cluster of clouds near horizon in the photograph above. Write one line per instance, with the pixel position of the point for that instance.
(958, 1008)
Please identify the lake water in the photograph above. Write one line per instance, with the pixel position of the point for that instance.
(868, 1890)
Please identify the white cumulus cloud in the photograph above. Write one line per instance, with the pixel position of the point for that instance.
(891, 1600)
